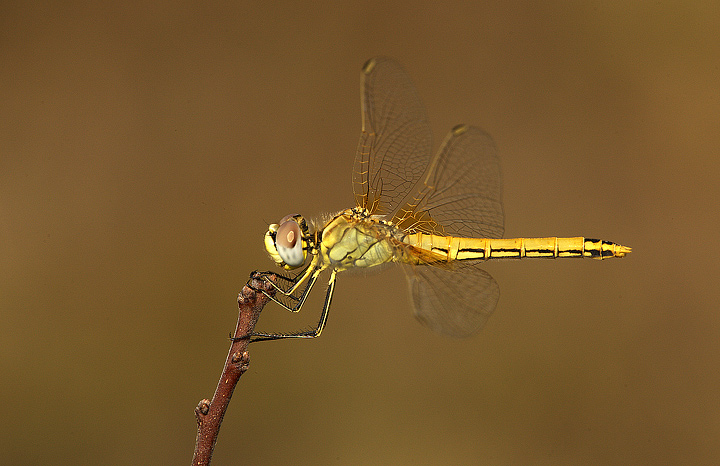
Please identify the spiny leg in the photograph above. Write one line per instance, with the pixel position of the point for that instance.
(300, 300)
(307, 334)
(310, 273)
(294, 282)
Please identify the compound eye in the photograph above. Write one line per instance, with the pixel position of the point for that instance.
(288, 241)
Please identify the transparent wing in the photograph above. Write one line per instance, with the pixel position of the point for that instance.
(395, 142)
(457, 192)
(462, 192)
(453, 301)
(461, 196)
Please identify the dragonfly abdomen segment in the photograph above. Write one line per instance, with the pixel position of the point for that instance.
(450, 248)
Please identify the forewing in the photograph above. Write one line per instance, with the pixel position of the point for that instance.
(395, 142)
(453, 301)
(462, 192)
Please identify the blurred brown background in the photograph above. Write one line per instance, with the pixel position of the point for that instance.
(145, 147)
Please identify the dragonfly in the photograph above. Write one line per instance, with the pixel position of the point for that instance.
(440, 215)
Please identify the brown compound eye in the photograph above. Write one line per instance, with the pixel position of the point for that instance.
(288, 242)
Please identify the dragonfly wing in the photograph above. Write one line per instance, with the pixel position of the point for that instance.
(396, 140)
(453, 301)
(462, 191)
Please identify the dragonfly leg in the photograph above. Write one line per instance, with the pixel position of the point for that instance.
(309, 333)
(299, 300)
(293, 282)
(272, 278)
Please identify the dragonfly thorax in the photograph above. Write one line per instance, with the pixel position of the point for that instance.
(355, 239)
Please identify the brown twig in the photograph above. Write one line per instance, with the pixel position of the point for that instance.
(209, 414)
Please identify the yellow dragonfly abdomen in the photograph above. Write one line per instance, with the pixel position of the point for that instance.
(450, 248)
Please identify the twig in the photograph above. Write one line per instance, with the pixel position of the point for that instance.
(209, 414)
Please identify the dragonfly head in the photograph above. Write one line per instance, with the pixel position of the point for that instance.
(287, 242)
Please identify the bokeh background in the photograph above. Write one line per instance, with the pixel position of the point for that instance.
(144, 147)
